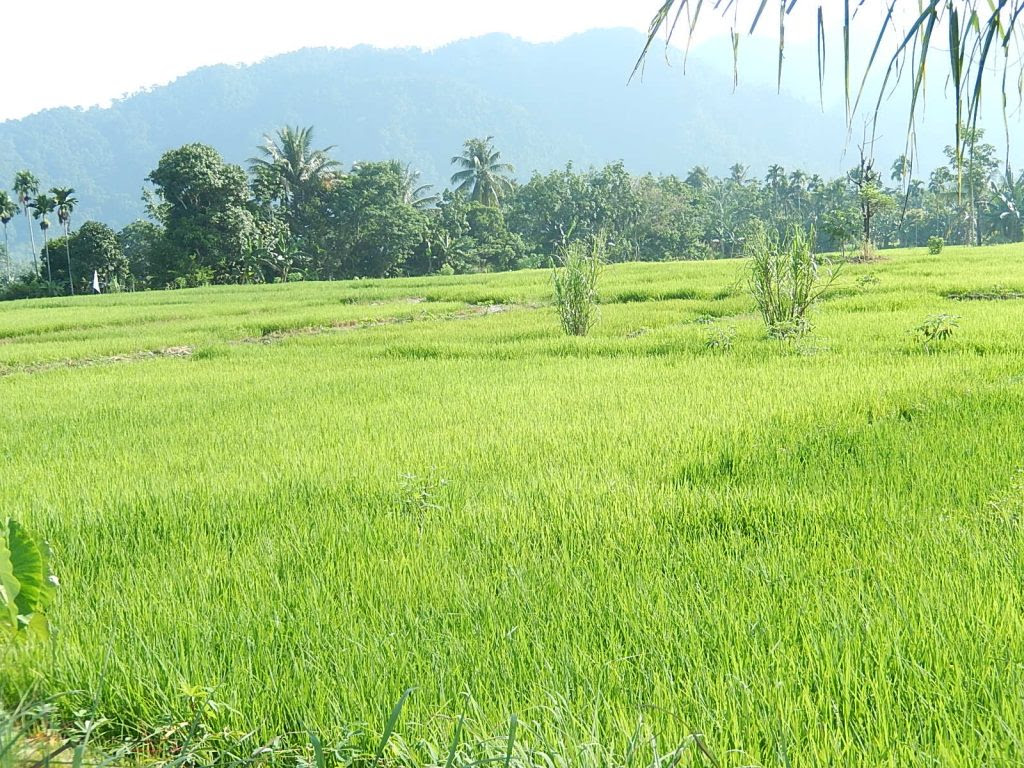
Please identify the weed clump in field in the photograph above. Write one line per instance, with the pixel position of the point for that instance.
(720, 338)
(935, 245)
(576, 285)
(936, 329)
(786, 279)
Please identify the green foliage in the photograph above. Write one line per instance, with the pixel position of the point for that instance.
(720, 338)
(785, 279)
(201, 202)
(27, 286)
(483, 177)
(93, 247)
(576, 285)
(935, 245)
(936, 329)
(369, 228)
(27, 585)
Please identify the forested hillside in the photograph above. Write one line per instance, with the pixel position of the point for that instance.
(546, 104)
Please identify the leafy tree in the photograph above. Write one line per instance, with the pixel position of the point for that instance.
(8, 210)
(1004, 208)
(94, 247)
(26, 185)
(974, 166)
(870, 195)
(369, 227)
(202, 203)
(140, 242)
(66, 202)
(482, 174)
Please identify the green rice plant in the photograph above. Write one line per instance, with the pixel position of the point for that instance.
(576, 285)
(785, 279)
(639, 540)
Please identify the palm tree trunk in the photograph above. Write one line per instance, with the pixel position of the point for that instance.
(32, 238)
(7, 253)
(67, 247)
(46, 250)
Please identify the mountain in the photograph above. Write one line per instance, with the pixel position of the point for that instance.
(546, 104)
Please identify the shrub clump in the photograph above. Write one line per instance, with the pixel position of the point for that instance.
(786, 279)
(576, 285)
(935, 244)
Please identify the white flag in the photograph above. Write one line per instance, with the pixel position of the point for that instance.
(95, 281)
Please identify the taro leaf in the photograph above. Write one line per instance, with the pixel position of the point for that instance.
(9, 586)
(29, 568)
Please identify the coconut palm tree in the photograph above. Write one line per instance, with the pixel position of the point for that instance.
(8, 210)
(413, 193)
(25, 186)
(300, 170)
(42, 207)
(482, 173)
(64, 198)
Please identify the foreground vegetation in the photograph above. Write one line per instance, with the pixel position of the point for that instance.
(275, 509)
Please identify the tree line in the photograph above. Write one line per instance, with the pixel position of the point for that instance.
(296, 213)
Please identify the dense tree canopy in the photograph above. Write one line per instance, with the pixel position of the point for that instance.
(301, 215)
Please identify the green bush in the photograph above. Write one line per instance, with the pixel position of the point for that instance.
(28, 286)
(576, 285)
(937, 328)
(935, 244)
(785, 279)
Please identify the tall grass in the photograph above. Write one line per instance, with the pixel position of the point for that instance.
(785, 278)
(575, 282)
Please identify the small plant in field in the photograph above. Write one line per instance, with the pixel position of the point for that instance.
(720, 338)
(866, 281)
(704, 319)
(576, 285)
(419, 495)
(27, 585)
(935, 244)
(936, 329)
(868, 252)
(786, 279)
(788, 330)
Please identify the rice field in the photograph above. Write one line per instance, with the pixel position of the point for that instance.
(293, 503)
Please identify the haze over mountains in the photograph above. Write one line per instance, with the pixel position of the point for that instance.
(546, 104)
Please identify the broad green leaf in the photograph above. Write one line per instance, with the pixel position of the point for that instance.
(29, 569)
(9, 585)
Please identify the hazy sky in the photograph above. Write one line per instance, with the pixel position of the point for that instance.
(94, 50)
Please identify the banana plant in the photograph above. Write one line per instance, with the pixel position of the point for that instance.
(27, 585)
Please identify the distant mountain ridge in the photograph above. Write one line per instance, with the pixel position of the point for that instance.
(546, 104)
